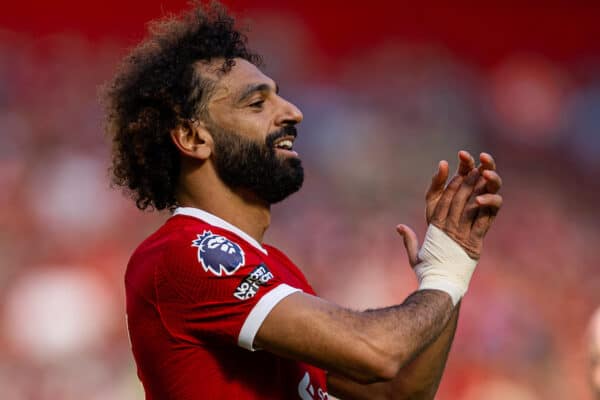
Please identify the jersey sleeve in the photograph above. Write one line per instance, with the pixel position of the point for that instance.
(212, 286)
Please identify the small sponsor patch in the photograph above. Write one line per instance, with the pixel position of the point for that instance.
(218, 254)
(251, 283)
(306, 390)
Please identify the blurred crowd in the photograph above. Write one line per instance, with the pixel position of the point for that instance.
(372, 136)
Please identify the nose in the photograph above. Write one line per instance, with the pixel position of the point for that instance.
(289, 114)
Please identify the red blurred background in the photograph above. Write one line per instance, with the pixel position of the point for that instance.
(484, 34)
(387, 90)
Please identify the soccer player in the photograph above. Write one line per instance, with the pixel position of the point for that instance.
(215, 313)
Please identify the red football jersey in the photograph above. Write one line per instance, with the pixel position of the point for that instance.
(197, 291)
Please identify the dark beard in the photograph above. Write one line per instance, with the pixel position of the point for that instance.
(245, 164)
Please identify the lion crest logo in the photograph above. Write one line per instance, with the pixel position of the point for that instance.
(218, 254)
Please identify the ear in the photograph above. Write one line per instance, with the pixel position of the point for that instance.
(193, 140)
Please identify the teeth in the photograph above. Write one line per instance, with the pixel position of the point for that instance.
(285, 144)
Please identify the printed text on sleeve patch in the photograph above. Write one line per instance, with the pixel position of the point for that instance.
(250, 285)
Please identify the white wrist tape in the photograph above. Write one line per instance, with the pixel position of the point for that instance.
(444, 265)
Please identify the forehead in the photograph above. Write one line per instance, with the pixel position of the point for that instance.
(241, 74)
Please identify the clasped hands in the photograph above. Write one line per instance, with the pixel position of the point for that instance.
(465, 208)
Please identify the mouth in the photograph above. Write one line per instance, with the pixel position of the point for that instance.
(285, 145)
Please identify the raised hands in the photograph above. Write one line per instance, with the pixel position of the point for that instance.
(464, 208)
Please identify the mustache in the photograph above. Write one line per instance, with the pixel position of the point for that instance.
(285, 131)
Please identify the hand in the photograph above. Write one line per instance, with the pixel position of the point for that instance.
(438, 182)
(465, 209)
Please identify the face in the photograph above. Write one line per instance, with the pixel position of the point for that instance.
(253, 130)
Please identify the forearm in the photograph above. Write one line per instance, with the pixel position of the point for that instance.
(426, 314)
(421, 378)
(401, 332)
(363, 346)
(424, 340)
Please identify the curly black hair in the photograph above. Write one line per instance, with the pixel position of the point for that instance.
(156, 88)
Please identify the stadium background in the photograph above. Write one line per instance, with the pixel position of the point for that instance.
(386, 92)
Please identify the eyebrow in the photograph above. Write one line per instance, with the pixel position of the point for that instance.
(254, 88)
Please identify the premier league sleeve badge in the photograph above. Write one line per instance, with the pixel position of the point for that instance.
(218, 254)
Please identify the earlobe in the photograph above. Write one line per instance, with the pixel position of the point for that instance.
(193, 140)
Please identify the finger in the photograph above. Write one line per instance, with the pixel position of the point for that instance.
(480, 188)
(489, 205)
(487, 162)
(459, 202)
(468, 216)
(472, 207)
(438, 181)
(481, 225)
(493, 181)
(483, 222)
(490, 200)
(465, 163)
(440, 213)
(411, 243)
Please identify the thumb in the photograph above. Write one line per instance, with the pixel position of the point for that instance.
(411, 243)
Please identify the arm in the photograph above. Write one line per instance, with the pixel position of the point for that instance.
(375, 346)
(363, 346)
(421, 377)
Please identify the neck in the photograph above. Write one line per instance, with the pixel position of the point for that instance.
(202, 189)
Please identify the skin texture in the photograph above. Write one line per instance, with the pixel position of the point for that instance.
(420, 378)
(403, 347)
(259, 114)
(594, 354)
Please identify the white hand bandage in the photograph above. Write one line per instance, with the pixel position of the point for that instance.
(444, 265)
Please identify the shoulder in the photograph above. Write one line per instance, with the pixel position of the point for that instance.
(151, 256)
(188, 255)
(219, 251)
(163, 239)
(290, 266)
(187, 245)
(170, 245)
(276, 253)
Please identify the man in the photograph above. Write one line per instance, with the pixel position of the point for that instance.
(214, 313)
(594, 353)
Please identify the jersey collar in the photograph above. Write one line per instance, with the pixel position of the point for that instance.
(218, 222)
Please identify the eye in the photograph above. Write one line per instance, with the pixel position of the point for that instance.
(257, 104)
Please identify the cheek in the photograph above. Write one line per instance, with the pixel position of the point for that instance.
(257, 122)
(251, 128)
